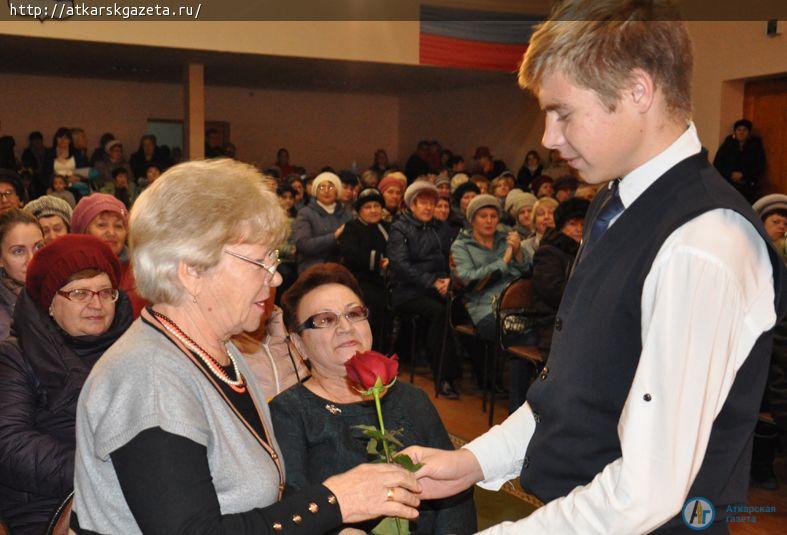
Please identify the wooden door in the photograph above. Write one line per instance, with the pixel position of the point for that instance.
(765, 104)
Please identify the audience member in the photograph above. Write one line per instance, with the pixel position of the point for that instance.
(301, 197)
(418, 163)
(61, 159)
(556, 166)
(288, 267)
(114, 160)
(392, 190)
(148, 153)
(457, 180)
(531, 169)
(741, 159)
(283, 162)
(456, 164)
(519, 205)
(443, 185)
(326, 317)
(121, 187)
(462, 196)
(552, 264)
(565, 187)
(213, 148)
(59, 188)
(486, 165)
(152, 172)
(99, 153)
(442, 210)
(433, 158)
(586, 191)
(772, 209)
(351, 186)
(418, 249)
(106, 218)
(230, 150)
(10, 190)
(541, 221)
(320, 224)
(53, 215)
(483, 183)
(363, 252)
(486, 259)
(173, 432)
(542, 186)
(445, 159)
(7, 154)
(69, 313)
(80, 143)
(20, 239)
(275, 365)
(34, 157)
(369, 179)
(379, 165)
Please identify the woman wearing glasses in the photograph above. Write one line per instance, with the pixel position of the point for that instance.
(316, 421)
(320, 223)
(173, 434)
(68, 314)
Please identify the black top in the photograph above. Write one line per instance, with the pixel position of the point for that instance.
(318, 440)
(597, 344)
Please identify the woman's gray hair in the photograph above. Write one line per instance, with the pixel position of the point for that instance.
(190, 214)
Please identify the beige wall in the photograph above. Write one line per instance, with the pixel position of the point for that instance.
(318, 128)
(725, 53)
(504, 118)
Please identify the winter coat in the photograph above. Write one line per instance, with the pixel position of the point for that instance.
(749, 160)
(7, 303)
(525, 176)
(418, 255)
(551, 267)
(314, 234)
(483, 271)
(362, 247)
(42, 371)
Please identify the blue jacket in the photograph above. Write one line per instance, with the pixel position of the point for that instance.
(314, 234)
(418, 256)
(484, 271)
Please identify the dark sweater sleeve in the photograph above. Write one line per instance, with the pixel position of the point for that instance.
(166, 481)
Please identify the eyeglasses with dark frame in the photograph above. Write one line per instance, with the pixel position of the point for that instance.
(83, 295)
(270, 268)
(330, 319)
(7, 194)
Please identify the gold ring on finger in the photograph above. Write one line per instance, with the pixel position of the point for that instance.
(389, 494)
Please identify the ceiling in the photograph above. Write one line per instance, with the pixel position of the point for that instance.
(56, 57)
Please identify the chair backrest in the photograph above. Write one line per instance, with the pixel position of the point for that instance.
(517, 295)
(59, 523)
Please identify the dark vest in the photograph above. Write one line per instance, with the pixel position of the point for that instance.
(578, 399)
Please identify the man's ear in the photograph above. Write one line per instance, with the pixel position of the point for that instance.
(190, 278)
(641, 90)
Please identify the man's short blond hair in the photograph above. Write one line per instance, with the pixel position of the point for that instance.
(190, 213)
(597, 44)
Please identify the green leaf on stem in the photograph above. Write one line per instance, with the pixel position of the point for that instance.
(407, 463)
(371, 447)
(392, 526)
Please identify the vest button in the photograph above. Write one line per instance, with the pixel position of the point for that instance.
(526, 463)
(536, 417)
(647, 397)
(558, 324)
(544, 373)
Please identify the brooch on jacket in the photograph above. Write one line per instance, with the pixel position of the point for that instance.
(333, 409)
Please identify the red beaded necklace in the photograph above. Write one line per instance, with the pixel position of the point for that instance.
(238, 384)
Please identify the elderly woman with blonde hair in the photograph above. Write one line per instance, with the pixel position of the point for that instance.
(173, 434)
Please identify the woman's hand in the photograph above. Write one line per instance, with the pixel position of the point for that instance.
(372, 490)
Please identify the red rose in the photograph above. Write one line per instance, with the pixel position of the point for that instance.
(363, 369)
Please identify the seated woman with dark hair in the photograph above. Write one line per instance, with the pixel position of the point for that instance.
(315, 421)
(69, 313)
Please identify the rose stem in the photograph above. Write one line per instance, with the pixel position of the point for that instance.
(382, 425)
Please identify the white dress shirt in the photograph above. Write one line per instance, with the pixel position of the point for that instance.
(706, 300)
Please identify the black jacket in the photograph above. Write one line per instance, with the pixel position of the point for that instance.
(551, 266)
(748, 159)
(42, 371)
(418, 254)
(362, 247)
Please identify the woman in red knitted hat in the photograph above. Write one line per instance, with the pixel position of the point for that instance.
(68, 314)
(105, 217)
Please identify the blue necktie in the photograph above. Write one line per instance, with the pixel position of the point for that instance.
(612, 208)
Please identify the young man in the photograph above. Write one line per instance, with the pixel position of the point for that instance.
(661, 343)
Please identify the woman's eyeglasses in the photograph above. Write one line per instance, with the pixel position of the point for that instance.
(330, 319)
(83, 295)
(270, 267)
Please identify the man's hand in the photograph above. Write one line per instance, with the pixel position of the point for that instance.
(445, 472)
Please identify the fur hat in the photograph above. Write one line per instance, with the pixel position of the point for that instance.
(765, 206)
(368, 195)
(518, 199)
(419, 187)
(482, 201)
(326, 176)
(569, 209)
(49, 205)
